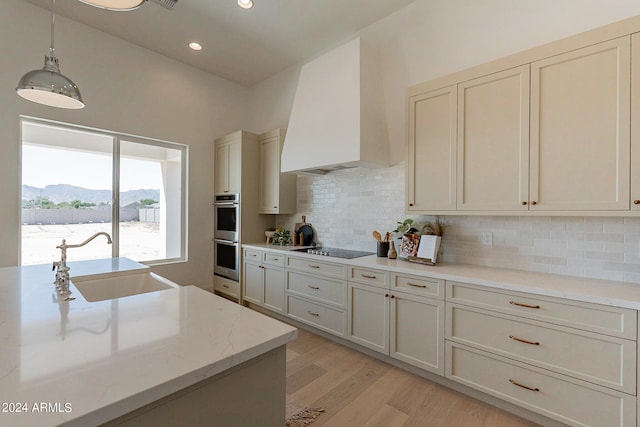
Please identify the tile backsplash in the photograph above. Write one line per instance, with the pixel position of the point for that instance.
(345, 206)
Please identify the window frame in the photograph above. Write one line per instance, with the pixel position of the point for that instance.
(117, 138)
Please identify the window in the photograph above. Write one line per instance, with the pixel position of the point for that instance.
(78, 181)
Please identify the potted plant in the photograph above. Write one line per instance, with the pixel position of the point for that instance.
(410, 239)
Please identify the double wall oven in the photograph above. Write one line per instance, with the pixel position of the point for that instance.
(227, 226)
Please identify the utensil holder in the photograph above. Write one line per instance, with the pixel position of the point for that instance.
(383, 248)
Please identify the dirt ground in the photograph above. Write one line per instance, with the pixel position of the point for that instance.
(138, 241)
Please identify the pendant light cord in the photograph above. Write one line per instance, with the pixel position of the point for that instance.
(53, 24)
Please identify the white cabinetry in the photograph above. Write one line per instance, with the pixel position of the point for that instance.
(547, 130)
(635, 123)
(277, 190)
(228, 153)
(493, 141)
(431, 174)
(564, 359)
(580, 124)
(263, 279)
(406, 326)
(316, 293)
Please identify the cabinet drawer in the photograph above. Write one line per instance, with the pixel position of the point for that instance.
(564, 399)
(227, 287)
(273, 259)
(325, 290)
(596, 358)
(368, 276)
(418, 285)
(329, 319)
(319, 267)
(619, 322)
(253, 256)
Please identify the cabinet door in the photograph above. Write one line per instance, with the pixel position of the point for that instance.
(234, 166)
(580, 116)
(417, 331)
(274, 280)
(253, 280)
(431, 173)
(368, 317)
(270, 174)
(221, 173)
(493, 142)
(635, 124)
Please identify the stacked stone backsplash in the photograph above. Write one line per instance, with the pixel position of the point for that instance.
(344, 207)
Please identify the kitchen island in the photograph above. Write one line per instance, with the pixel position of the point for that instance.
(177, 356)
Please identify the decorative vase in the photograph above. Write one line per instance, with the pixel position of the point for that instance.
(392, 251)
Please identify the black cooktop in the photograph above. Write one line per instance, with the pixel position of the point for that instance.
(338, 253)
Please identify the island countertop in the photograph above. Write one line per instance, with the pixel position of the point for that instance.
(85, 363)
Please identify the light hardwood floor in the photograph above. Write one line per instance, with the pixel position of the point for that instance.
(358, 390)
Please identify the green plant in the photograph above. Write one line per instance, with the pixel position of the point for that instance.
(281, 237)
(405, 227)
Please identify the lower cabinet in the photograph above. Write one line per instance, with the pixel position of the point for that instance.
(544, 353)
(226, 287)
(264, 281)
(556, 396)
(571, 361)
(316, 294)
(402, 325)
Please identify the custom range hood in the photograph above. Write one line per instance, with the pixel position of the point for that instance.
(337, 120)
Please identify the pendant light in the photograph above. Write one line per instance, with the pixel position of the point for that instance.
(121, 5)
(48, 86)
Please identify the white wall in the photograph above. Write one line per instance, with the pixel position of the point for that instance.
(127, 89)
(432, 38)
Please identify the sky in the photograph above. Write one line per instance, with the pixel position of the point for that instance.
(43, 166)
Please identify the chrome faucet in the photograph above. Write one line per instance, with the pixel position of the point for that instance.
(62, 270)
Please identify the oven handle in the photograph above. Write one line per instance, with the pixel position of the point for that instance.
(226, 242)
(223, 204)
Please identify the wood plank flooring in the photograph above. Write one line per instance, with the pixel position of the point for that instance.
(358, 390)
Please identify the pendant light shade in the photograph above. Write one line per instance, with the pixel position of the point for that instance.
(48, 86)
(122, 5)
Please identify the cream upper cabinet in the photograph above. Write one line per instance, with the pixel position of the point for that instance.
(493, 142)
(228, 163)
(431, 174)
(580, 142)
(635, 123)
(277, 190)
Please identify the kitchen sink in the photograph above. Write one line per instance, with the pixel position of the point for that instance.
(117, 286)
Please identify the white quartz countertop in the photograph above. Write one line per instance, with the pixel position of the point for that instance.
(618, 294)
(84, 363)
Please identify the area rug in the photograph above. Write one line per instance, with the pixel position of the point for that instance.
(300, 415)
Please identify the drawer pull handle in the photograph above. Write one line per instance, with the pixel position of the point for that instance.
(225, 286)
(416, 286)
(523, 341)
(523, 386)
(312, 313)
(519, 304)
(366, 276)
(313, 287)
(314, 266)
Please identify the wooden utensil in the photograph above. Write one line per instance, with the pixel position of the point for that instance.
(377, 235)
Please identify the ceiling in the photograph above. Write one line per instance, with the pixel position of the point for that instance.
(245, 46)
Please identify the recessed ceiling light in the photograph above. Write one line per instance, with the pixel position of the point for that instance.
(195, 46)
(245, 4)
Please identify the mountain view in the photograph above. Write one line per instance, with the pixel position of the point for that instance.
(66, 193)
